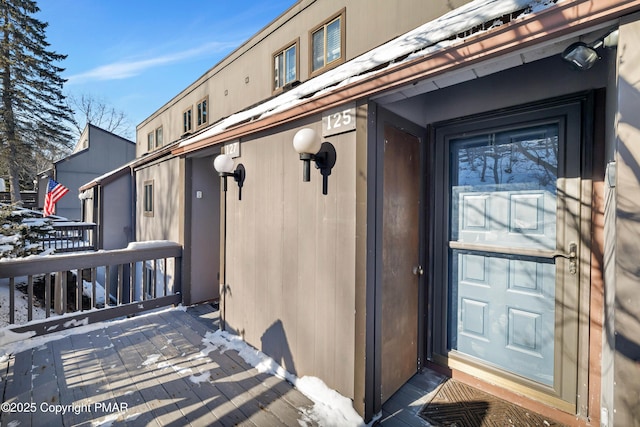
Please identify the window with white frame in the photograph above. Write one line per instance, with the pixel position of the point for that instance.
(202, 112)
(327, 43)
(148, 198)
(285, 66)
(150, 139)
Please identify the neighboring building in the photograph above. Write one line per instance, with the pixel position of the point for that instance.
(108, 201)
(97, 151)
(480, 219)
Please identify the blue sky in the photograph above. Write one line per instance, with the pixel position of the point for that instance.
(136, 55)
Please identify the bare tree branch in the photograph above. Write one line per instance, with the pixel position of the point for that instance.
(91, 110)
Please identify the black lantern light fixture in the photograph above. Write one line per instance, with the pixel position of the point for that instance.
(224, 166)
(583, 56)
(308, 145)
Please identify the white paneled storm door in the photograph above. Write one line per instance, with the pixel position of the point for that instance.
(509, 194)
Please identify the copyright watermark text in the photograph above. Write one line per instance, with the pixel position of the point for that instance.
(44, 407)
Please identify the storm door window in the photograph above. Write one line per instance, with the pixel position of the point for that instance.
(202, 112)
(327, 43)
(503, 196)
(148, 198)
(187, 121)
(285, 66)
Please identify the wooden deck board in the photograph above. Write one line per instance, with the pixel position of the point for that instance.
(160, 401)
(229, 377)
(222, 409)
(156, 367)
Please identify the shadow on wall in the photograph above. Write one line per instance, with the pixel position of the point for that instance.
(623, 319)
(275, 345)
(627, 211)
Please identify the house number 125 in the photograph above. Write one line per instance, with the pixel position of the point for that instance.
(336, 120)
(339, 121)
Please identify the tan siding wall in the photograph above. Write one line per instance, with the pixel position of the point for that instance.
(164, 224)
(291, 259)
(626, 396)
(369, 24)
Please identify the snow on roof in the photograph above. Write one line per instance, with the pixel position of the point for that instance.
(430, 37)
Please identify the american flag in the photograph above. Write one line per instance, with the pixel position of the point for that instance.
(55, 191)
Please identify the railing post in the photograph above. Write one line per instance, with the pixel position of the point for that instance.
(59, 291)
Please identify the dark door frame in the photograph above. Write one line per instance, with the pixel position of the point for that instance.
(374, 241)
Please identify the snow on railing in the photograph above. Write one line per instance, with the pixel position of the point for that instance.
(49, 293)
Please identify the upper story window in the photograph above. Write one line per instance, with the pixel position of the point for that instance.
(150, 140)
(148, 198)
(159, 141)
(285, 66)
(187, 120)
(327, 43)
(202, 112)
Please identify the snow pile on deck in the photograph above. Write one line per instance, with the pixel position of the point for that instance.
(330, 408)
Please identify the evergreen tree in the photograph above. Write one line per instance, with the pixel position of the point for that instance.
(21, 232)
(33, 109)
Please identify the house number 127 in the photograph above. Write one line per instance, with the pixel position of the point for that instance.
(339, 121)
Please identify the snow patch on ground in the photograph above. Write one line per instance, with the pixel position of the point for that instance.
(330, 407)
(21, 301)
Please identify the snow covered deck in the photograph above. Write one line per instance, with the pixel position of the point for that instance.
(157, 369)
(171, 368)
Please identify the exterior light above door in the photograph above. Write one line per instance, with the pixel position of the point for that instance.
(583, 56)
(308, 145)
(223, 164)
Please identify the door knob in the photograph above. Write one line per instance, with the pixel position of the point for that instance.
(418, 270)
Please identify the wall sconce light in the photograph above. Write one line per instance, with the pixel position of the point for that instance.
(224, 166)
(583, 56)
(308, 145)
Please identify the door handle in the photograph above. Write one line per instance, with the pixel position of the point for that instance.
(572, 256)
(418, 270)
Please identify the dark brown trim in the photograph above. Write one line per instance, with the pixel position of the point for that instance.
(364, 260)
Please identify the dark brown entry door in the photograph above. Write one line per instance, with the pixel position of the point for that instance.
(400, 258)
